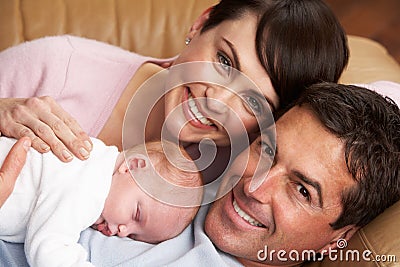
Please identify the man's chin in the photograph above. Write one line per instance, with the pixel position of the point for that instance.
(218, 232)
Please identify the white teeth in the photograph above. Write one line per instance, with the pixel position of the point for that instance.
(196, 112)
(245, 216)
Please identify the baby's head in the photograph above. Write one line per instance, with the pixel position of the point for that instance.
(168, 205)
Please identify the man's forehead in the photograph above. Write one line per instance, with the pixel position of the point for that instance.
(293, 114)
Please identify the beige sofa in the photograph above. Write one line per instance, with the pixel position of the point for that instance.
(157, 28)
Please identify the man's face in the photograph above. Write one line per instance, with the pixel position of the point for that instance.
(293, 206)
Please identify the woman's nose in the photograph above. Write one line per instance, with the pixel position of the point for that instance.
(219, 99)
(263, 185)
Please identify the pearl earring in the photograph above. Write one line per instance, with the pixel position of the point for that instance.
(187, 40)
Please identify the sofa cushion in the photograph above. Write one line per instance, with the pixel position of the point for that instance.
(369, 62)
(377, 244)
(150, 27)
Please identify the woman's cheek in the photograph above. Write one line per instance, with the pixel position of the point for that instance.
(238, 126)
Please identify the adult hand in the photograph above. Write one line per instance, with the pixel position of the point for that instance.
(46, 124)
(12, 166)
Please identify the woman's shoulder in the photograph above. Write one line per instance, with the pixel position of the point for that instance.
(102, 51)
(63, 45)
(46, 47)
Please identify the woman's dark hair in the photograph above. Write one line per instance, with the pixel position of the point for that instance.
(369, 127)
(298, 42)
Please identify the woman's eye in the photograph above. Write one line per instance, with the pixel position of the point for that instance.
(266, 149)
(304, 192)
(225, 62)
(253, 104)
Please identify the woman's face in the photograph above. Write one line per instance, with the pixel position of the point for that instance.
(208, 110)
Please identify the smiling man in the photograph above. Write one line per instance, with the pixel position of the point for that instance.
(335, 168)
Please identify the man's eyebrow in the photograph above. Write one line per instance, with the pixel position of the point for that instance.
(312, 183)
(234, 53)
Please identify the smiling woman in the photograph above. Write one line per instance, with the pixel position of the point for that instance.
(256, 53)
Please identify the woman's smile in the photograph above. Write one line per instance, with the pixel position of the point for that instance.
(193, 112)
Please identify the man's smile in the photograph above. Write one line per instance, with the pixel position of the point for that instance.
(245, 216)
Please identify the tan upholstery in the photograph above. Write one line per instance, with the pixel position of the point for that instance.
(381, 237)
(140, 26)
(369, 62)
(157, 28)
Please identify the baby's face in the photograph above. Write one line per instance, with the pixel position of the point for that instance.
(129, 212)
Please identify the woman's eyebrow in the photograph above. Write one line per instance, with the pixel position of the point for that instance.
(234, 53)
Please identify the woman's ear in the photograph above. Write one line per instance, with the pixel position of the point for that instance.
(341, 239)
(134, 162)
(199, 23)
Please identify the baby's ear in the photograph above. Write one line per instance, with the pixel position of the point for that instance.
(134, 162)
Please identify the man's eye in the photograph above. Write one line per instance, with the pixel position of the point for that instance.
(304, 192)
(225, 62)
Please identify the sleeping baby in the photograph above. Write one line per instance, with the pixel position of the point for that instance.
(54, 201)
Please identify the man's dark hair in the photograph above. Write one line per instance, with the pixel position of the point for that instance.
(369, 126)
(298, 42)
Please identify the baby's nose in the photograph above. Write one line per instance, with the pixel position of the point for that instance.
(122, 231)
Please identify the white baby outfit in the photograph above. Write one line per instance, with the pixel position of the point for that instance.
(53, 202)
